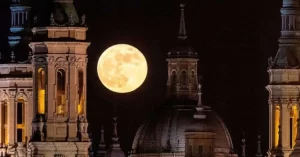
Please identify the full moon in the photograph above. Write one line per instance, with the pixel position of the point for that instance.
(122, 68)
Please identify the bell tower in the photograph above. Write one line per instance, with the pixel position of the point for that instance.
(182, 66)
(59, 83)
(284, 83)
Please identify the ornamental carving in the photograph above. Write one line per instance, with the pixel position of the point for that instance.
(40, 61)
(21, 95)
(72, 60)
(12, 94)
(4, 96)
(21, 150)
(29, 93)
(50, 60)
(61, 61)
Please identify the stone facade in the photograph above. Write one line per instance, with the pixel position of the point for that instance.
(43, 95)
(284, 84)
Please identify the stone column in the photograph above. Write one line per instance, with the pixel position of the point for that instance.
(285, 125)
(271, 125)
(1, 121)
(50, 102)
(73, 96)
(11, 120)
(29, 115)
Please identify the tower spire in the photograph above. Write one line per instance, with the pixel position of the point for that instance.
(258, 153)
(182, 30)
(101, 152)
(102, 141)
(200, 107)
(115, 138)
(243, 145)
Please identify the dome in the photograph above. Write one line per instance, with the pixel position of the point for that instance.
(198, 126)
(165, 131)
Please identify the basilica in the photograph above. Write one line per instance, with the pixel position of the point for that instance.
(43, 94)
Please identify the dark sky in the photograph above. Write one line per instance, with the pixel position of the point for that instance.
(234, 38)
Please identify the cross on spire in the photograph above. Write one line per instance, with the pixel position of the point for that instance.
(102, 142)
(199, 95)
(115, 138)
(258, 153)
(243, 145)
(182, 31)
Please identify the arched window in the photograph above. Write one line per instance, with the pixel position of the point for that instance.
(293, 125)
(20, 120)
(80, 92)
(193, 76)
(173, 77)
(41, 91)
(183, 78)
(4, 135)
(60, 85)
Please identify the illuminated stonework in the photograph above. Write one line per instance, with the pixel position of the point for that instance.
(43, 95)
(284, 84)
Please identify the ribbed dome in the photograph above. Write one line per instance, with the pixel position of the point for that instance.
(165, 131)
(199, 126)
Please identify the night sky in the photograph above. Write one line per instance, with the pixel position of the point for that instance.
(234, 38)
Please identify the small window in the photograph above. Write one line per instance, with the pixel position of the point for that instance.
(19, 113)
(173, 77)
(190, 151)
(200, 151)
(19, 135)
(183, 78)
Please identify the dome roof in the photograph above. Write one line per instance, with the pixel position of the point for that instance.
(165, 131)
(199, 125)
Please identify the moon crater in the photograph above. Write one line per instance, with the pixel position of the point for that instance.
(122, 68)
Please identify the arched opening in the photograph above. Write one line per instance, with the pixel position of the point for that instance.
(183, 78)
(4, 135)
(192, 77)
(173, 77)
(41, 91)
(60, 89)
(20, 120)
(80, 92)
(276, 125)
(293, 125)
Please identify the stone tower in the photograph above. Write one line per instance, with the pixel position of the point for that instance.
(182, 67)
(16, 81)
(20, 32)
(59, 83)
(284, 83)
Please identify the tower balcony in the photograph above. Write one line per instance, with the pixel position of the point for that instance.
(75, 33)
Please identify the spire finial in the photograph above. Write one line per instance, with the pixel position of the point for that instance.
(243, 145)
(115, 137)
(12, 57)
(52, 20)
(102, 135)
(71, 20)
(83, 20)
(258, 153)
(182, 30)
(199, 95)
